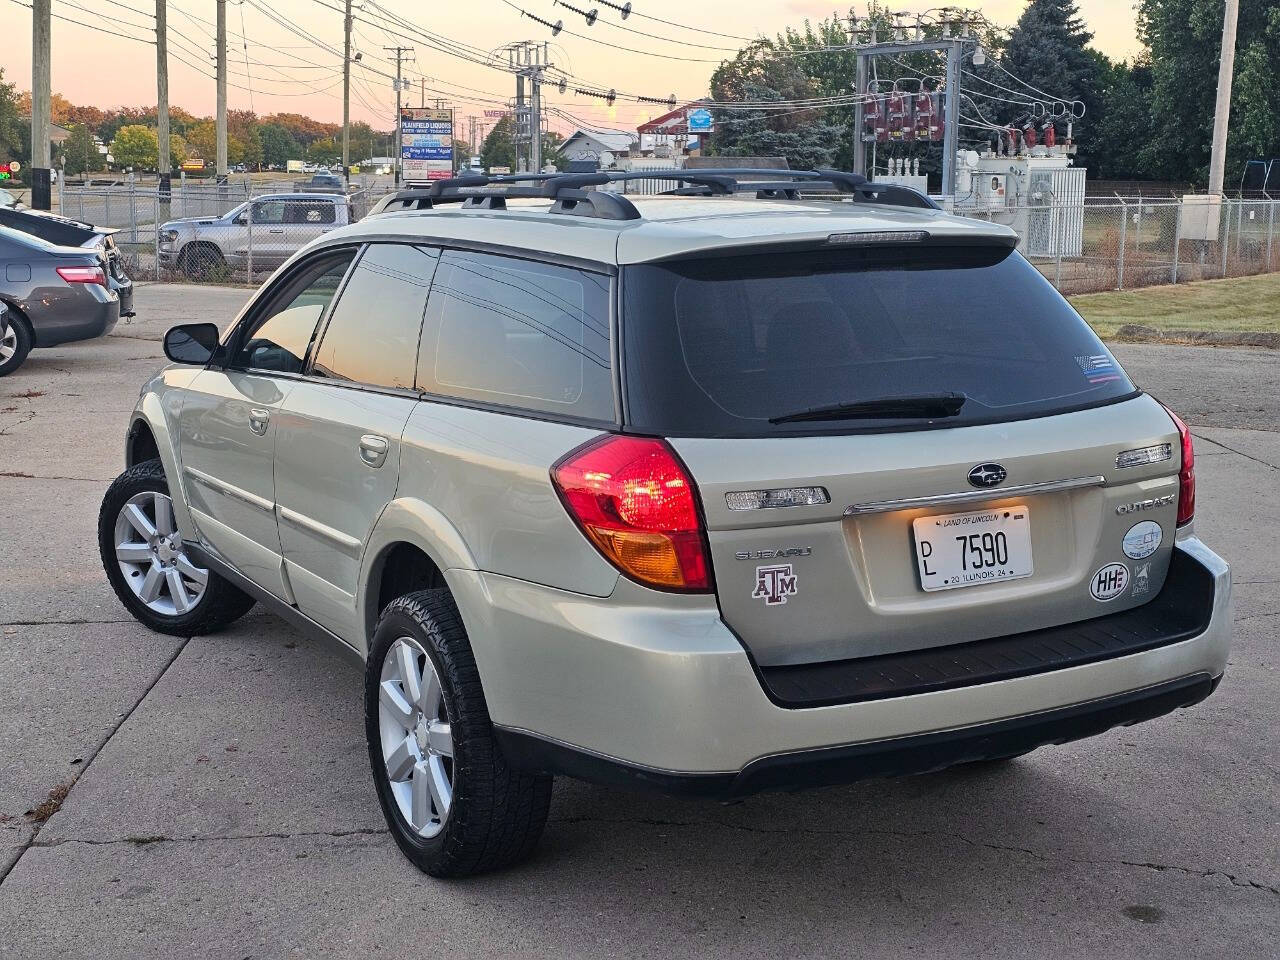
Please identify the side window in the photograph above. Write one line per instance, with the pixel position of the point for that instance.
(310, 211)
(372, 336)
(519, 333)
(268, 211)
(278, 337)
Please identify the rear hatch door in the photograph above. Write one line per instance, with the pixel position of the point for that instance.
(908, 530)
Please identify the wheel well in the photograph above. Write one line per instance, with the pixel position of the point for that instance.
(141, 445)
(402, 568)
(16, 314)
(201, 246)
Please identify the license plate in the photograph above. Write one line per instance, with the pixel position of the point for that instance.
(970, 549)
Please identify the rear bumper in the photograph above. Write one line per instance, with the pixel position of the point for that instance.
(653, 690)
(94, 312)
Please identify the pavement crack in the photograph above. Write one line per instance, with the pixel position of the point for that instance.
(22, 475)
(92, 754)
(143, 840)
(1202, 873)
(1247, 456)
(25, 418)
(64, 623)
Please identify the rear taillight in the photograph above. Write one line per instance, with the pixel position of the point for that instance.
(83, 275)
(1187, 473)
(636, 503)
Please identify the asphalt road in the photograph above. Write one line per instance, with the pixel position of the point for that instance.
(218, 802)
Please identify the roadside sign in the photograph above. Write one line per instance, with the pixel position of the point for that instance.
(14, 166)
(498, 170)
(426, 143)
(192, 165)
(699, 121)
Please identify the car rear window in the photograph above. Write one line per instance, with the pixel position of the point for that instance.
(721, 346)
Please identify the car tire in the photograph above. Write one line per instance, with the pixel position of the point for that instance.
(16, 342)
(201, 261)
(149, 570)
(494, 815)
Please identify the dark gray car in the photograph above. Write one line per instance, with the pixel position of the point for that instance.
(65, 232)
(53, 294)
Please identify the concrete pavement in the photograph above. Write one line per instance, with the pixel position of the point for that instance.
(218, 801)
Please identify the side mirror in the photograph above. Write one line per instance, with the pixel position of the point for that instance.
(193, 343)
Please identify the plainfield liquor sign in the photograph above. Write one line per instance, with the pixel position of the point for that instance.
(426, 143)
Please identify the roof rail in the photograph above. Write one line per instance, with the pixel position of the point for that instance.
(571, 195)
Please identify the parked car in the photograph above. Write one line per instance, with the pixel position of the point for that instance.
(53, 294)
(266, 231)
(320, 183)
(705, 496)
(64, 231)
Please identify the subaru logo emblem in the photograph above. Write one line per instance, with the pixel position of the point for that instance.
(987, 475)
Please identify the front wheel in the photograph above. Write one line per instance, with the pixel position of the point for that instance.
(454, 806)
(147, 563)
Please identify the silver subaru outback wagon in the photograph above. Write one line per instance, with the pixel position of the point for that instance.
(731, 490)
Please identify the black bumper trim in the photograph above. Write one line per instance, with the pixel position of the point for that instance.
(1180, 611)
(920, 753)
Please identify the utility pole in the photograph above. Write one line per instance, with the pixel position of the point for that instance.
(535, 120)
(400, 88)
(162, 107)
(346, 95)
(1222, 108)
(221, 160)
(41, 105)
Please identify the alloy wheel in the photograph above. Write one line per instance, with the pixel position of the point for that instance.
(8, 342)
(152, 557)
(416, 737)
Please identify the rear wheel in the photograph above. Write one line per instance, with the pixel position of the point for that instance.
(453, 805)
(147, 562)
(15, 340)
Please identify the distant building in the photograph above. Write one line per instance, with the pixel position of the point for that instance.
(600, 146)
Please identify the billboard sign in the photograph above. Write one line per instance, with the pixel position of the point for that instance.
(426, 143)
(699, 121)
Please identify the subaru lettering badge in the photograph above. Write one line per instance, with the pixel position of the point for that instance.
(987, 475)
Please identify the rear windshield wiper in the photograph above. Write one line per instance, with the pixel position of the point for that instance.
(915, 407)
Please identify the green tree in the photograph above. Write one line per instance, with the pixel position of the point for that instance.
(177, 151)
(135, 146)
(10, 122)
(324, 150)
(278, 145)
(1184, 39)
(1123, 125)
(80, 152)
(499, 148)
(202, 141)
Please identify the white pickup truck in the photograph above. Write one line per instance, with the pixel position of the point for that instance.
(256, 236)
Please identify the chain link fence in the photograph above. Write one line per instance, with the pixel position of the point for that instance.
(1137, 242)
(237, 232)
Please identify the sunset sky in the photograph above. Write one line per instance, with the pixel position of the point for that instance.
(288, 72)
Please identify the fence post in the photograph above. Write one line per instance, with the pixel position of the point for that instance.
(248, 222)
(155, 229)
(1124, 231)
(1271, 229)
(1057, 249)
(1137, 239)
(1224, 235)
(133, 208)
(1177, 238)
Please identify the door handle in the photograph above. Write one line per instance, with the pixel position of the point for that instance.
(276, 230)
(258, 420)
(373, 450)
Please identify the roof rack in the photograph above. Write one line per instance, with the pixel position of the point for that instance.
(571, 195)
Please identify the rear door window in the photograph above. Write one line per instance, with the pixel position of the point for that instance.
(725, 346)
(372, 335)
(519, 333)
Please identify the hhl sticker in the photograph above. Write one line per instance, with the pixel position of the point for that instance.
(774, 584)
(1109, 582)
